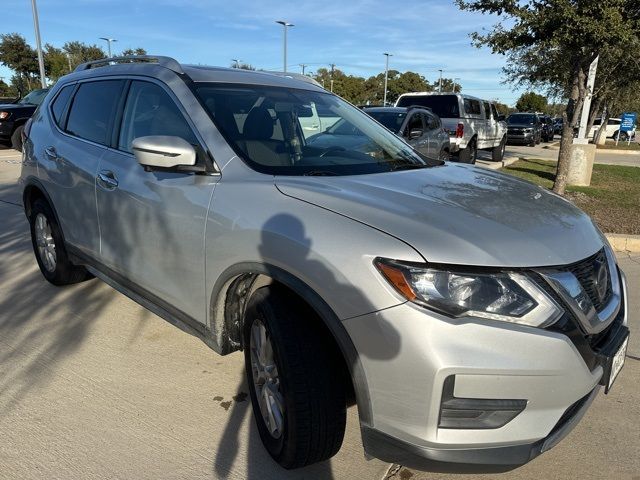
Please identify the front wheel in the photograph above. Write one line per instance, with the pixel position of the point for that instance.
(444, 155)
(49, 248)
(294, 377)
(469, 154)
(16, 138)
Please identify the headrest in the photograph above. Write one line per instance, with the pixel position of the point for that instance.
(258, 124)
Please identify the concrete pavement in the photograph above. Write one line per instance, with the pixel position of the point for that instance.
(94, 386)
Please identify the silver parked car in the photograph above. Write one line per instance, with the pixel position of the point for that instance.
(420, 127)
(471, 316)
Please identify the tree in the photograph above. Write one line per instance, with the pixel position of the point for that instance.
(133, 51)
(531, 102)
(243, 66)
(16, 54)
(80, 52)
(447, 85)
(56, 62)
(551, 44)
(5, 90)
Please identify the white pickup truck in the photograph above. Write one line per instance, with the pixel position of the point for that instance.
(473, 124)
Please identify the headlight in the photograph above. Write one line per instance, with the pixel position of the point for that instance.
(506, 296)
(4, 115)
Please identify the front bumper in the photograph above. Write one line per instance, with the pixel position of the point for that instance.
(524, 138)
(407, 353)
(472, 460)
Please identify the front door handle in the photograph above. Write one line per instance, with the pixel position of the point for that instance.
(107, 180)
(51, 153)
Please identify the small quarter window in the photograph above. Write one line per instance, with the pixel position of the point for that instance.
(59, 104)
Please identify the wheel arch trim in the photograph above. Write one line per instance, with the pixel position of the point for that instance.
(339, 333)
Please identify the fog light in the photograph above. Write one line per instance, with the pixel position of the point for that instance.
(475, 413)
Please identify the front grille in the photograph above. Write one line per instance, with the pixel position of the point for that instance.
(586, 271)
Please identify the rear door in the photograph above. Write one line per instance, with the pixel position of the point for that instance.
(72, 158)
(152, 222)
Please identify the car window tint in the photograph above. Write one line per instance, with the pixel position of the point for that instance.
(432, 122)
(471, 107)
(60, 103)
(494, 111)
(92, 110)
(487, 110)
(444, 106)
(415, 123)
(149, 110)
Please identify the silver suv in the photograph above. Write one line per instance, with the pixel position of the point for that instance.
(471, 316)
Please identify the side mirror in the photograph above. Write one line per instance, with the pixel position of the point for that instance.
(415, 133)
(163, 151)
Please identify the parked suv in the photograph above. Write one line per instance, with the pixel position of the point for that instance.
(420, 127)
(473, 317)
(472, 123)
(13, 116)
(524, 128)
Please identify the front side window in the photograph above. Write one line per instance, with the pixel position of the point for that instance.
(92, 111)
(494, 111)
(415, 123)
(149, 110)
(262, 124)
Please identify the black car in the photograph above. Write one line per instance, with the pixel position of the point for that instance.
(557, 125)
(547, 128)
(524, 128)
(13, 116)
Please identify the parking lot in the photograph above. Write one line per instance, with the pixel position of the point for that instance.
(94, 386)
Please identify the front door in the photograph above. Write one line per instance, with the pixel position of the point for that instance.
(151, 222)
(415, 133)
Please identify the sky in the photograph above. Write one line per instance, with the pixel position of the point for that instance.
(353, 34)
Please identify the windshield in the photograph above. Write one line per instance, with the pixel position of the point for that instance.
(35, 97)
(520, 119)
(444, 106)
(262, 124)
(391, 120)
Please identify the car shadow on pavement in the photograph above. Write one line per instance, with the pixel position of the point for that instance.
(40, 324)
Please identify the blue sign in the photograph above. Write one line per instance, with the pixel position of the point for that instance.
(628, 122)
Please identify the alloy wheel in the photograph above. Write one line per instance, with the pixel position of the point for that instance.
(266, 379)
(45, 243)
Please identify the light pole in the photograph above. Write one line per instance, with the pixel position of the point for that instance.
(109, 40)
(237, 62)
(386, 75)
(285, 24)
(36, 26)
(440, 83)
(303, 66)
(455, 83)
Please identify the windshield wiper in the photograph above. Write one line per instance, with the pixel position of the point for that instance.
(320, 173)
(406, 166)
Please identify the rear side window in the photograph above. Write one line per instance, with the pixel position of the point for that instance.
(92, 110)
(444, 106)
(151, 111)
(471, 107)
(59, 104)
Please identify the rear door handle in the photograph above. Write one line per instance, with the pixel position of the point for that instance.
(107, 180)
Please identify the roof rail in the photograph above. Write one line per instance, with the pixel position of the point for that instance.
(166, 62)
(296, 76)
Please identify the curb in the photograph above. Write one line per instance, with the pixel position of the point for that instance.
(618, 152)
(624, 243)
(497, 165)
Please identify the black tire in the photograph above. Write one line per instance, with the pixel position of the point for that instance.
(444, 155)
(16, 138)
(309, 372)
(63, 272)
(469, 154)
(497, 152)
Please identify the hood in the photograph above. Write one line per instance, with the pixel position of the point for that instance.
(458, 214)
(16, 106)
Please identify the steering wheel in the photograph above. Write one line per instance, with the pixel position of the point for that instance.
(335, 148)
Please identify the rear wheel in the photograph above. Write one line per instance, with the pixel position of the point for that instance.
(16, 138)
(497, 153)
(48, 246)
(293, 372)
(469, 154)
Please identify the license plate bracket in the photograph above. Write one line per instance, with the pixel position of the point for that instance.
(614, 362)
